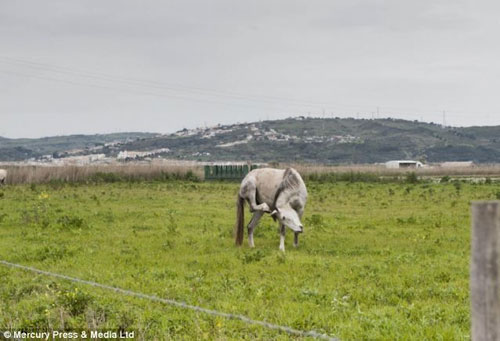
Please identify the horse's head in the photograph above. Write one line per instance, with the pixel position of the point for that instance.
(288, 217)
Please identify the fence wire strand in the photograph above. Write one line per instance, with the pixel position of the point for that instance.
(172, 302)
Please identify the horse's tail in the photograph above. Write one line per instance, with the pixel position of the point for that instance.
(240, 216)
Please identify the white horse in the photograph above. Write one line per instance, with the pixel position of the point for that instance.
(280, 192)
(3, 176)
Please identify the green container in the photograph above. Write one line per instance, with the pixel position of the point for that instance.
(220, 172)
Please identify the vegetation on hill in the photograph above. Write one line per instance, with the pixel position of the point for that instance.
(331, 141)
(23, 149)
(311, 140)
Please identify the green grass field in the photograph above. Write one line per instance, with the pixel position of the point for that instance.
(376, 261)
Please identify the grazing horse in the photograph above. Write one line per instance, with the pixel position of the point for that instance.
(3, 176)
(279, 192)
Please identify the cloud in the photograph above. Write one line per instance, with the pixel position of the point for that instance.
(341, 57)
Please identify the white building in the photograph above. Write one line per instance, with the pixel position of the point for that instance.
(403, 164)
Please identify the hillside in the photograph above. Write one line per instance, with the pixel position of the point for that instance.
(331, 141)
(23, 149)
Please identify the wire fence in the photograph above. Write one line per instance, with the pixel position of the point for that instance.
(172, 302)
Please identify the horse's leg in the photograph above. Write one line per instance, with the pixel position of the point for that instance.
(251, 226)
(282, 237)
(296, 239)
(251, 194)
(296, 234)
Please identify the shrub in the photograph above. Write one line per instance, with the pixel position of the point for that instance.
(70, 222)
(50, 252)
(412, 178)
(74, 301)
(445, 179)
(348, 177)
(315, 220)
(254, 256)
(190, 176)
(105, 177)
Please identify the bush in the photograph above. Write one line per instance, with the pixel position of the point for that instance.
(254, 256)
(105, 177)
(458, 186)
(412, 178)
(445, 179)
(316, 220)
(74, 301)
(70, 222)
(190, 176)
(348, 177)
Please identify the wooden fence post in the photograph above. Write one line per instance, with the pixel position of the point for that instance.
(485, 271)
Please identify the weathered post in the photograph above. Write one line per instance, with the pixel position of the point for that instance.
(485, 271)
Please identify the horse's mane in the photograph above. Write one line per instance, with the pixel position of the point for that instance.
(290, 182)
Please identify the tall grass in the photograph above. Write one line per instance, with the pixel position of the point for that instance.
(100, 173)
(375, 173)
(20, 174)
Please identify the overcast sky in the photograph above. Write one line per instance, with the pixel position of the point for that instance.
(72, 66)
